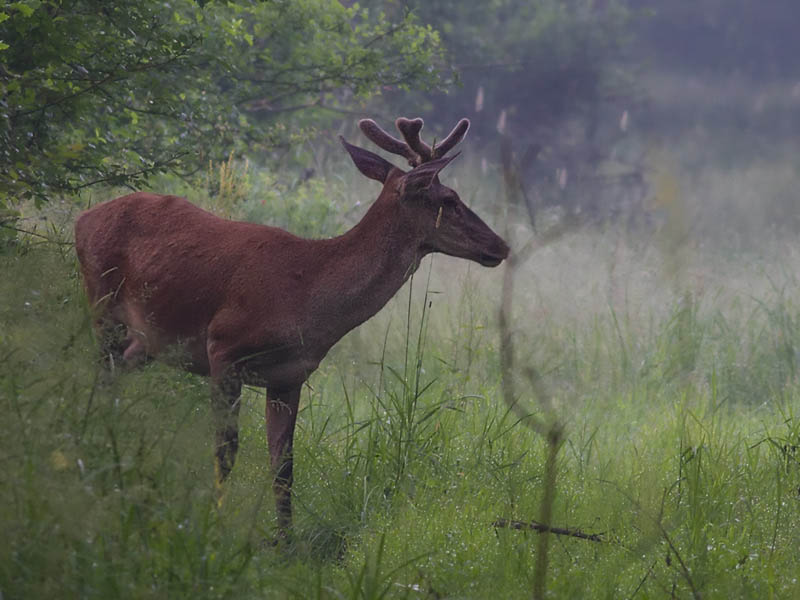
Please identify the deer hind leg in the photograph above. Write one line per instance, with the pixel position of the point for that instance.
(112, 338)
(225, 393)
(119, 344)
(281, 414)
(110, 330)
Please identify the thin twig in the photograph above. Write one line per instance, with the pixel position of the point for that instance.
(551, 429)
(503, 523)
(35, 234)
(554, 438)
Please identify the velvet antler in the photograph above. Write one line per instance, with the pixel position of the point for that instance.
(380, 138)
(413, 149)
(410, 129)
(455, 136)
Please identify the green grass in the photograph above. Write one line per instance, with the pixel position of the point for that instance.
(678, 388)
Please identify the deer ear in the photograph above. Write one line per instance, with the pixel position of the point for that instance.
(422, 177)
(371, 165)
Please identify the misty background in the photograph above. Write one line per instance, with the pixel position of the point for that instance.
(595, 111)
(634, 111)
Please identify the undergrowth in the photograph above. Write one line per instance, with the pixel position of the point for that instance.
(680, 450)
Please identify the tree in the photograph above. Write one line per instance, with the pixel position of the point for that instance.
(540, 60)
(110, 92)
(552, 75)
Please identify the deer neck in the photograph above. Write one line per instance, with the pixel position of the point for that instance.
(362, 269)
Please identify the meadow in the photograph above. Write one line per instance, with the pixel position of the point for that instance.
(670, 362)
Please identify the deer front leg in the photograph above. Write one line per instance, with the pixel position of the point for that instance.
(225, 404)
(281, 414)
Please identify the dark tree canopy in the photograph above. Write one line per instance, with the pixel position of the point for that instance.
(111, 91)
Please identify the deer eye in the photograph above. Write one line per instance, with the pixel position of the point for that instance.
(449, 201)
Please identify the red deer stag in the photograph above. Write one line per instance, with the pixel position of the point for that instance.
(252, 304)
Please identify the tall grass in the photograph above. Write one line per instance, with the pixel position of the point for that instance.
(679, 405)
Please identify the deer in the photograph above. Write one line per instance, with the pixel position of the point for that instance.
(251, 304)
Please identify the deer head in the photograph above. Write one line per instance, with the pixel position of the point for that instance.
(443, 222)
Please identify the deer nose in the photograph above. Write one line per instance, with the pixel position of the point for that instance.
(496, 255)
(504, 249)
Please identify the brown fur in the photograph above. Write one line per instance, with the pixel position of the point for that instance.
(253, 304)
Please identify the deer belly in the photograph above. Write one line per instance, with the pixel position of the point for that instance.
(145, 340)
(283, 374)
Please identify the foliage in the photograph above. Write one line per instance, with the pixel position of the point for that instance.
(682, 450)
(110, 92)
(307, 206)
(672, 356)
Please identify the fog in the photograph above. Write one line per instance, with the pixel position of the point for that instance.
(632, 112)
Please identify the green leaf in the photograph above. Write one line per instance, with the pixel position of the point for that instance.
(120, 93)
(26, 8)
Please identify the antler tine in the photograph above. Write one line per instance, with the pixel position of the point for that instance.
(410, 129)
(455, 136)
(380, 138)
